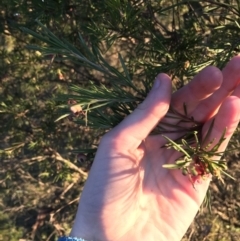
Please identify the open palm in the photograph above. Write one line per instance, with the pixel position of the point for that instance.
(129, 195)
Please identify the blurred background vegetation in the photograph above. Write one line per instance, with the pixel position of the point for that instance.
(40, 172)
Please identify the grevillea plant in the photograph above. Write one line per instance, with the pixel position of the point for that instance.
(200, 159)
(103, 105)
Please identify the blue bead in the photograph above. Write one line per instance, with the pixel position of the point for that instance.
(65, 238)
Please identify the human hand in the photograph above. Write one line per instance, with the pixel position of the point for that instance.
(128, 194)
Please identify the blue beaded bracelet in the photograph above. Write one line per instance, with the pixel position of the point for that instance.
(65, 238)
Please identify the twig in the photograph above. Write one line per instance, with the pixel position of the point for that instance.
(67, 189)
(37, 158)
(58, 157)
(57, 211)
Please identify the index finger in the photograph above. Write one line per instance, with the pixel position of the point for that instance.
(205, 83)
(231, 78)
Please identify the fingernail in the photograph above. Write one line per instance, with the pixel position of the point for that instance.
(156, 83)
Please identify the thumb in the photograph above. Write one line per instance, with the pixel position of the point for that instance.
(145, 117)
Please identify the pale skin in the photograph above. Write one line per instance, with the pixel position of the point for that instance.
(128, 194)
